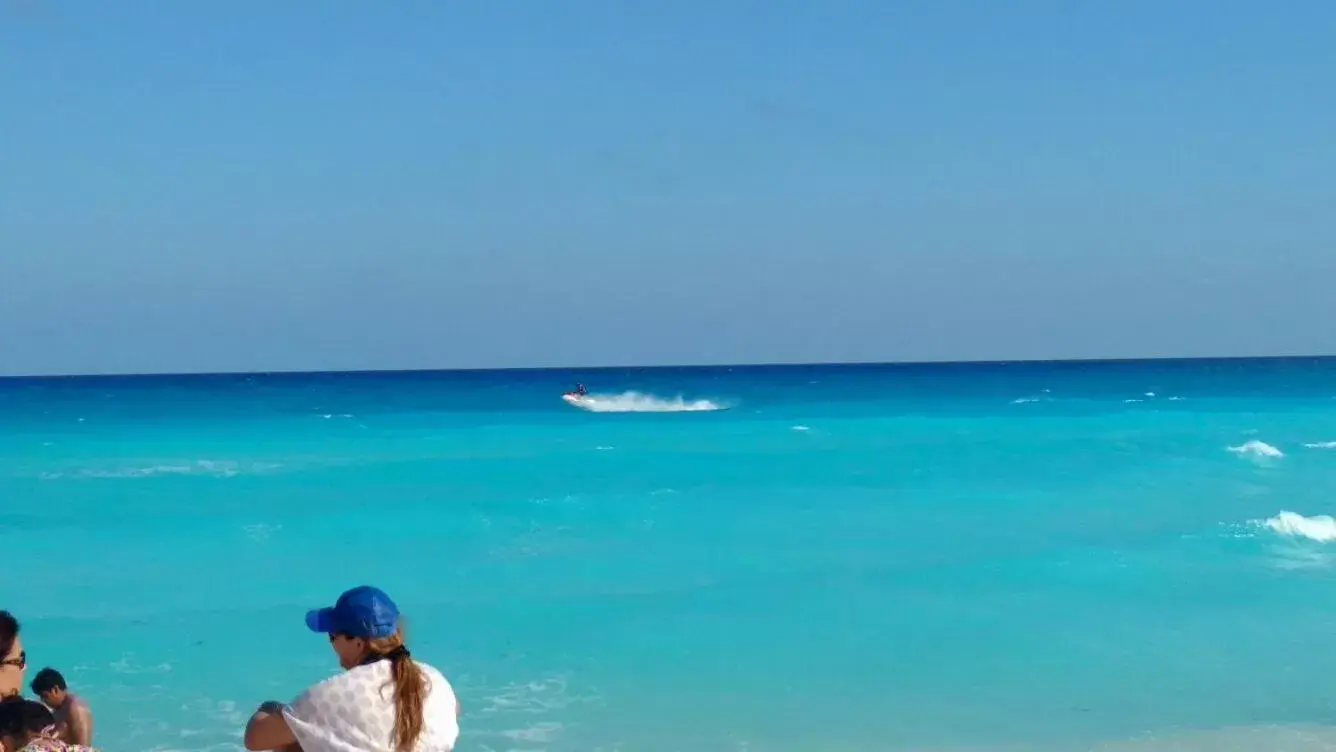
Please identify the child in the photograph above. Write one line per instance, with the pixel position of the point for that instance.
(28, 726)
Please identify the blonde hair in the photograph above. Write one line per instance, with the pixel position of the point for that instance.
(410, 688)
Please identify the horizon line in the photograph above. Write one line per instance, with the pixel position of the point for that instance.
(660, 366)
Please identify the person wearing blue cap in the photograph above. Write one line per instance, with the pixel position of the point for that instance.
(384, 701)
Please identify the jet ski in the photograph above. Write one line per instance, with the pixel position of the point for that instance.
(577, 396)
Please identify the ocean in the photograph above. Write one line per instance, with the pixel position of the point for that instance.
(1007, 556)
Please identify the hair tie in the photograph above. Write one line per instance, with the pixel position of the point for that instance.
(390, 655)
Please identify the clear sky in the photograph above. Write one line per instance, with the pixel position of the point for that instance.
(202, 186)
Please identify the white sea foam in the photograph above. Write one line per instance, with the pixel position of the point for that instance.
(200, 467)
(1257, 450)
(1297, 738)
(801, 428)
(260, 531)
(1322, 445)
(213, 468)
(636, 402)
(127, 665)
(1320, 528)
(543, 732)
(538, 697)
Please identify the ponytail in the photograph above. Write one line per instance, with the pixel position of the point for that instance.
(410, 690)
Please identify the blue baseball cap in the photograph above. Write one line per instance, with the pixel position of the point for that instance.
(364, 612)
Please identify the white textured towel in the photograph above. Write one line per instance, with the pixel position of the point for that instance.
(354, 712)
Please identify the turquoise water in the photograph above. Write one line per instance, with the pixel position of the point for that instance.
(1005, 556)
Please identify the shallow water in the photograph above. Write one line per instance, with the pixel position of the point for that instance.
(1011, 556)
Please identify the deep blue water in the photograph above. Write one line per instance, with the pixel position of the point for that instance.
(978, 556)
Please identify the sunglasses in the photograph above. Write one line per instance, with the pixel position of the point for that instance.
(20, 663)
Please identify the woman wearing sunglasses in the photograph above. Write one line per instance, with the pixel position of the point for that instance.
(384, 701)
(13, 660)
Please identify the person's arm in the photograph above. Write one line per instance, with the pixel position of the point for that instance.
(79, 728)
(63, 732)
(268, 729)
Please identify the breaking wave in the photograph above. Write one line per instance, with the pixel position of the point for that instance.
(636, 402)
(1257, 449)
(1321, 528)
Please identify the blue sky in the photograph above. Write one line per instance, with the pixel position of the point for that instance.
(274, 186)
